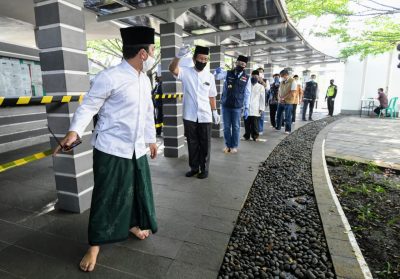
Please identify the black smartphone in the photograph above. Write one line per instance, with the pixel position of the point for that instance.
(65, 148)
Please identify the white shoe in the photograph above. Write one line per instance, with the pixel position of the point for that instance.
(234, 150)
(226, 150)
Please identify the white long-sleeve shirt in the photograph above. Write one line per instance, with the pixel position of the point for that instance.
(122, 98)
(257, 99)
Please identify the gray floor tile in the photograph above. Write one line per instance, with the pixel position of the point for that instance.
(11, 233)
(200, 256)
(12, 214)
(216, 224)
(155, 245)
(57, 247)
(135, 262)
(209, 238)
(180, 270)
(7, 275)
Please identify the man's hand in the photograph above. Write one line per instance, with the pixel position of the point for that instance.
(183, 51)
(333, 99)
(153, 150)
(217, 117)
(246, 113)
(69, 138)
(260, 112)
(218, 71)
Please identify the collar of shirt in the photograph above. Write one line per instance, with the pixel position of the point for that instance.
(125, 65)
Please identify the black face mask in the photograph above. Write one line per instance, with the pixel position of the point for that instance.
(239, 68)
(200, 65)
(254, 80)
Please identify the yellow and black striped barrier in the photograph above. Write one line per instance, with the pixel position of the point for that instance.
(25, 160)
(168, 96)
(42, 100)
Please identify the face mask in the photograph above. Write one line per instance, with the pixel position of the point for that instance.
(254, 80)
(261, 75)
(199, 65)
(282, 79)
(239, 68)
(276, 80)
(148, 63)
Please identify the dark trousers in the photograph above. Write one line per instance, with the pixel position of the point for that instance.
(272, 114)
(198, 137)
(158, 118)
(377, 110)
(305, 105)
(251, 126)
(294, 113)
(331, 105)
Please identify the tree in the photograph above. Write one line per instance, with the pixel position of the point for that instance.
(106, 52)
(377, 23)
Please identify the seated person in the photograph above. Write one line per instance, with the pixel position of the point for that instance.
(383, 101)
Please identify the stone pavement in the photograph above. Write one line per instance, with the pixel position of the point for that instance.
(366, 139)
(195, 217)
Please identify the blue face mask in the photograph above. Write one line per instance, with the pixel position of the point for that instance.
(276, 80)
(254, 80)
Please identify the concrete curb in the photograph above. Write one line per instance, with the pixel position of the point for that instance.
(346, 255)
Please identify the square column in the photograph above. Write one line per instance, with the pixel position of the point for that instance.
(61, 39)
(268, 72)
(174, 140)
(217, 59)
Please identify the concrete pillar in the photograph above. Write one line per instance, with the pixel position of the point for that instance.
(268, 72)
(170, 41)
(250, 66)
(217, 59)
(61, 39)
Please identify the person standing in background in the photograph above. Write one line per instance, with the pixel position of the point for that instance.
(235, 98)
(264, 82)
(310, 94)
(158, 101)
(273, 99)
(256, 107)
(331, 95)
(298, 97)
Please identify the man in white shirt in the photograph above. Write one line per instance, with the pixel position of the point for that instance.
(256, 107)
(122, 199)
(199, 107)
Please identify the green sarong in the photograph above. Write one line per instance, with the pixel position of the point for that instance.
(122, 198)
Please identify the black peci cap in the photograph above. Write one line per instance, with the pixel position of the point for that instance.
(243, 58)
(137, 35)
(201, 50)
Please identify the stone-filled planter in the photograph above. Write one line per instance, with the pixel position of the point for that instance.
(279, 232)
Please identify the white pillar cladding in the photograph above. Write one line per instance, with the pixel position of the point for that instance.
(61, 39)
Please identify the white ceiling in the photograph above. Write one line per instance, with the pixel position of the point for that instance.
(17, 23)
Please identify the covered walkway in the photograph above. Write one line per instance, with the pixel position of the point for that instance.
(196, 218)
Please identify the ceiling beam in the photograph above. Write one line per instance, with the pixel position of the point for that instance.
(187, 4)
(285, 54)
(319, 57)
(210, 36)
(262, 46)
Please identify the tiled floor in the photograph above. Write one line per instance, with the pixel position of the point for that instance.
(195, 217)
(366, 139)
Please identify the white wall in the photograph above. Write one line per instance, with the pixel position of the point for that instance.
(363, 78)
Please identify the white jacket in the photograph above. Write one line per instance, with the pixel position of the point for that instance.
(257, 99)
(122, 98)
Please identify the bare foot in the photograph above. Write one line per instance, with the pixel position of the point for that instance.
(139, 233)
(89, 260)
